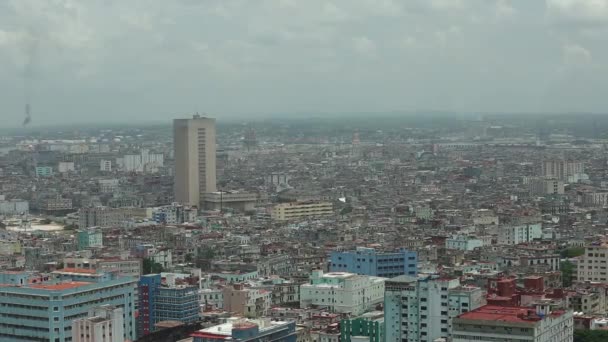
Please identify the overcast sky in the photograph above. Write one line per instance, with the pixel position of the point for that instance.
(119, 60)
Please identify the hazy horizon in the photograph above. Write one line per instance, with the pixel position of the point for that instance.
(81, 62)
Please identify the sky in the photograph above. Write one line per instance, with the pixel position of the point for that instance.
(153, 60)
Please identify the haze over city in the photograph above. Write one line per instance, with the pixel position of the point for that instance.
(150, 61)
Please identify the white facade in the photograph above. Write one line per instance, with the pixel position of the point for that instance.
(104, 324)
(64, 167)
(418, 309)
(142, 162)
(211, 297)
(513, 235)
(174, 214)
(14, 207)
(463, 243)
(342, 292)
(105, 165)
(592, 266)
(108, 185)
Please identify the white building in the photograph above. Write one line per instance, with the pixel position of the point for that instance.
(104, 324)
(108, 185)
(463, 242)
(174, 214)
(503, 324)
(142, 162)
(513, 235)
(13, 207)
(561, 169)
(541, 187)
(420, 308)
(342, 292)
(213, 298)
(64, 167)
(105, 165)
(592, 265)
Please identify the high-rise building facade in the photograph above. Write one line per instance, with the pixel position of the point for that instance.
(158, 302)
(45, 310)
(194, 144)
(592, 265)
(561, 169)
(419, 309)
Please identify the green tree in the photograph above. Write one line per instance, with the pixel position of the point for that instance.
(572, 252)
(590, 336)
(151, 267)
(567, 270)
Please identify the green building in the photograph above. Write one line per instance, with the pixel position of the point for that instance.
(365, 326)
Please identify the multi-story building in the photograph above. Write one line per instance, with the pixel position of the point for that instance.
(195, 156)
(44, 171)
(368, 261)
(107, 186)
(54, 204)
(362, 329)
(124, 267)
(13, 207)
(503, 324)
(513, 235)
(542, 187)
(45, 310)
(342, 292)
(238, 200)
(595, 199)
(65, 167)
(103, 324)
(463, 242)
(89, 238)
(418, 309)
(159, 302)
(105, 165)
(295, 210)
(248, 331)
(245, 301)
(593, 265)
(174, 214)
(143, 162)
(561, 169)
(100, 217)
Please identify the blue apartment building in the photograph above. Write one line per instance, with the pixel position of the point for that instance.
(158, 303)
(368, 261)
(36, 309)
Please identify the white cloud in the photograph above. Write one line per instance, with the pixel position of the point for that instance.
(504, 8)
(446, 4)
(579, 12)
(364, 46)
(575, 55)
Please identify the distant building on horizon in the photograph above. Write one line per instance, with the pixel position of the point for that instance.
(195, 155)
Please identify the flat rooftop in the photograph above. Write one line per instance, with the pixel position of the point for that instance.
(61, 286)
(506, 314)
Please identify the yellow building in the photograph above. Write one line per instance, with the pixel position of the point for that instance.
(289, 211)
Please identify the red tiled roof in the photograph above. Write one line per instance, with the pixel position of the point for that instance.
(505, 314)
